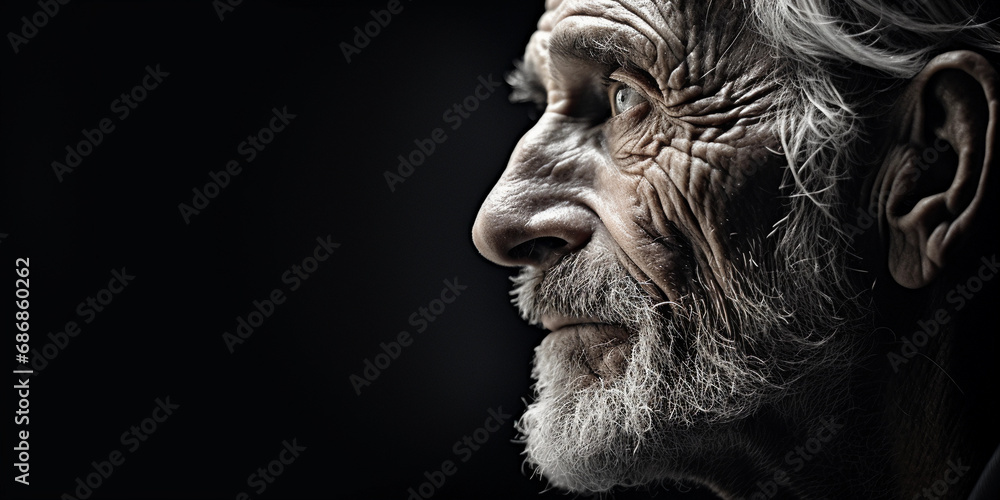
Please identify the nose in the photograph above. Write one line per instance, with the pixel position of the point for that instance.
(537, 211)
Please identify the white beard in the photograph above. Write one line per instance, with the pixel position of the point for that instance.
(687, 376)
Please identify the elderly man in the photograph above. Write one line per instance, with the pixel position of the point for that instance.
(760, 233)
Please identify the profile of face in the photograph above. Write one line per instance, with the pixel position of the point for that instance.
(681, 214)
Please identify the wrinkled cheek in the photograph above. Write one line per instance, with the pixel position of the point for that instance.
(634, 141)
(654, 251)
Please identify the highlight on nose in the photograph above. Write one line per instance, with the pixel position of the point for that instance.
(538, 210)
(512, 238)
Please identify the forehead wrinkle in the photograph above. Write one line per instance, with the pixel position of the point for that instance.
(624, 20)
(676, 42)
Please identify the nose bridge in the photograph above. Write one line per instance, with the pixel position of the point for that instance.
(544, 169)
(551, 143)
(536, 210)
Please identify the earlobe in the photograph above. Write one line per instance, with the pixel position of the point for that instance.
(935, 180)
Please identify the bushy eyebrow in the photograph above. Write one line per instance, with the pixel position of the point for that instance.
(526, 85)
(607, 48)
(603, 48)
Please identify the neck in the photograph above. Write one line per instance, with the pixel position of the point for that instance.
(938, 398)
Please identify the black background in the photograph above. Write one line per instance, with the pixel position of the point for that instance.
(323, 175)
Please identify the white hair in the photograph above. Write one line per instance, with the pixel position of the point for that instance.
(789, 325)
(841, 61)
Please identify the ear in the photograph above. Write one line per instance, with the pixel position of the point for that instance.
(935, 181)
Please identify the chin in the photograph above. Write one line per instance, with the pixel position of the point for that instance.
(602, 416)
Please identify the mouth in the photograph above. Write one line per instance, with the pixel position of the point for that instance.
(599, 347)
(552, 322)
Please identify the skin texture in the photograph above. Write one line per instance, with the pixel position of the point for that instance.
(660, 178)
(682, 185)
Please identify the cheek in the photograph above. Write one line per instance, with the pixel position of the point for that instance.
(679, 206)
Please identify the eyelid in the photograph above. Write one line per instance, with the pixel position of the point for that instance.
(613, 87)
(636, 80)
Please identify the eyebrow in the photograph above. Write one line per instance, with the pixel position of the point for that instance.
(608, 48)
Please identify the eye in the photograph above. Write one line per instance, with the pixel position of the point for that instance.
(623, 98)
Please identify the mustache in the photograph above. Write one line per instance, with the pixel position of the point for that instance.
(582, 285)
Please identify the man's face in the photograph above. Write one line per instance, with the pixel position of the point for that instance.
(641, 207)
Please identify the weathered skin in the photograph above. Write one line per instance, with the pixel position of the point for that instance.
(683, 186)
(666, 184)
(669, 178)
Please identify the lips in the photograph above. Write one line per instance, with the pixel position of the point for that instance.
(601, 348)
(554, 322)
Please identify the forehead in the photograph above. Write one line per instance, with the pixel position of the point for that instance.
(661, 37)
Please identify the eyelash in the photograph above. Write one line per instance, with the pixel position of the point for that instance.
(607, 83)
(610, 87)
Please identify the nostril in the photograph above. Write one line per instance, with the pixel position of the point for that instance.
(537, 249)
